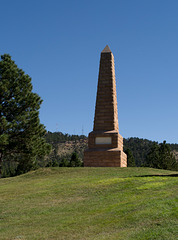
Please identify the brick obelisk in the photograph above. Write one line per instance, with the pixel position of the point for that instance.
(105, 144)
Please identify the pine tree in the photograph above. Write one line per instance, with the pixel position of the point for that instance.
(160, 156)
(21, 134)
(153, 157)
(167, 160)
(130, 158)
(75, 162)
(64, 163)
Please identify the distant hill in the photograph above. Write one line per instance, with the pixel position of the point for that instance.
(59, 137)
(64, 145)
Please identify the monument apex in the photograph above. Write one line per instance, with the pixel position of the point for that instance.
(105, 144)
(106, 49)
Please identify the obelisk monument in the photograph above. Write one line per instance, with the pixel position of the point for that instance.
(105, 144)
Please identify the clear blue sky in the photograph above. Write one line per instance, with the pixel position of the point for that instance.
(58, 43)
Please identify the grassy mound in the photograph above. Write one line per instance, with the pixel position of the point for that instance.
(89, 203)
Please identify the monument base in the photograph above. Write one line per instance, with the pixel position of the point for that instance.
(105, 158)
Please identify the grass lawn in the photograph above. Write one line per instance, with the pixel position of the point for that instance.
(90, 203)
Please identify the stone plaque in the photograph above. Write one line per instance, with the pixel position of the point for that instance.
(103, 140)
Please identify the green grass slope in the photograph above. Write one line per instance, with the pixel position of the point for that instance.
(89, 204)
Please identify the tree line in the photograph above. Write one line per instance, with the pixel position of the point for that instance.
(145, 153)
(139, 151)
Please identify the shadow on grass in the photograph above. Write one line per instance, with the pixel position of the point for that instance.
(159, 175)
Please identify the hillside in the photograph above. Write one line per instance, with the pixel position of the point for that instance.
(70, 146)
(175, 154)
(89, 204)
(65, 144)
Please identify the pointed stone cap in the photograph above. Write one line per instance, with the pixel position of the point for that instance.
(106, 49)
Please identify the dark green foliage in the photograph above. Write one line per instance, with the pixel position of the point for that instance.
(55, 164)
(64, 163)
(152, 158)
(151, 154)
(75, 162)
(160, 156)
(49, 164)
(58, 137)
(9, 168)
(21, 134)
(130, 158)
(174, 147)
(139, 148)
